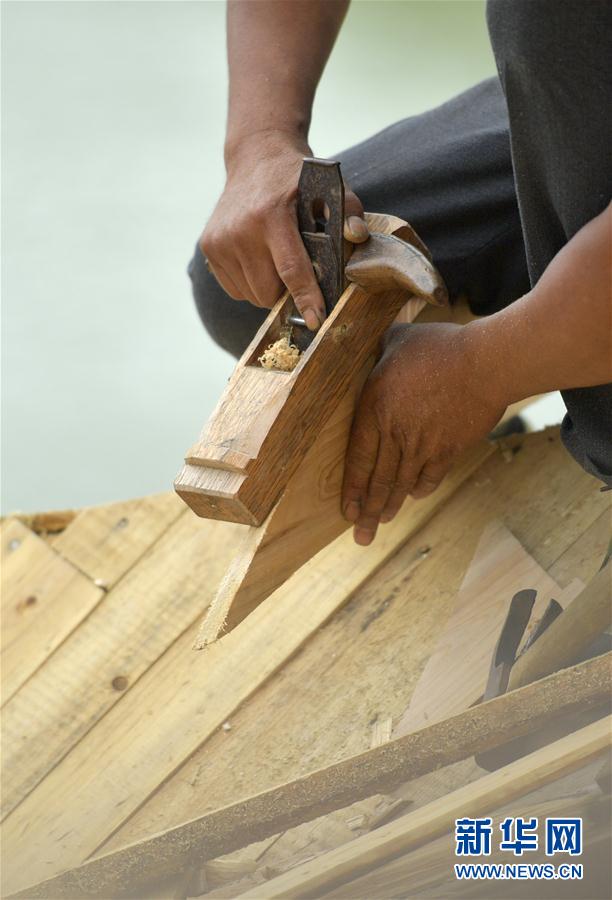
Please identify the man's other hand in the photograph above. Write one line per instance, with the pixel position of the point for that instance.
(252, 242)
(425, 401)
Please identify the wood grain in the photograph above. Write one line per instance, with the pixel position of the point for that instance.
(307, 519)
(347, 862)
(44, 598)
(456, 672)
(186, 697)
(583, 620)
(101, 661)
(105, 542)
(365, 663)
(374, 771)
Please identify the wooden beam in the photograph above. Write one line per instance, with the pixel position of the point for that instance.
(374, 771)
(348, 861)
(430, 867)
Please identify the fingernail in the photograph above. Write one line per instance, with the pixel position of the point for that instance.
(313, 321)
(355, 230)
(352, 510)
(363, 537)
(387, 517)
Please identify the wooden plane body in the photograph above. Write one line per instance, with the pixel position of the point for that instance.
(266, 420)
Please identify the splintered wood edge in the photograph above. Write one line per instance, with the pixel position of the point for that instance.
(214, 623)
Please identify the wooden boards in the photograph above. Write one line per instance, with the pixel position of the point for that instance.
(180, 702)
(456, 672)
(347, 862)
(376, 770)
(103, 659)
(105, 542)
(44, 598)
(160, 755)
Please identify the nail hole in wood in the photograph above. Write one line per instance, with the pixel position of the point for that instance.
(119, 683)
(122, 523)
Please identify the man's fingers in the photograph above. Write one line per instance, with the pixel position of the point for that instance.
(264, 281)
(407, 475)
(359, 465)
(380, 486)
(430, 477)
(355, 228)
(227, 283)
(297, 274)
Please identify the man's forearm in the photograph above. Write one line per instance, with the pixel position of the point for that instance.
(559, 335)
(277, 51)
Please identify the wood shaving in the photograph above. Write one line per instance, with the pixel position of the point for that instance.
(282, 355)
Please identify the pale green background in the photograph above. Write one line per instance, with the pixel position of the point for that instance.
(113, 121)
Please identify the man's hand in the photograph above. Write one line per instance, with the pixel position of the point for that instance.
(424, 402)
(252, 241)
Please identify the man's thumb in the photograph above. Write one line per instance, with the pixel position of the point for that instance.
(355, 228)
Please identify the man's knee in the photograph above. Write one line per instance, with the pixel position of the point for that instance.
(231, 324)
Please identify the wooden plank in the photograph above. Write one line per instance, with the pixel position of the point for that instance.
(106, 541)
(587, 552)
(431, 865)
(266, 421)
(308, 518)
(366, 662)
(338, 785)
(103, 658)
(454, 678)
(222, 680)
(423, 825)
(44, 598)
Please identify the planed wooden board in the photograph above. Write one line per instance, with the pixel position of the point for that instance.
(543, 497)
(456, 672)
(364, 665)
(105, 542)
(376, 770)
(103, 658)
(187, 699)
(347, 862)
(44, 598)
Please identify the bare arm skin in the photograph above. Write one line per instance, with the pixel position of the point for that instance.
(277, 52)
(440, 388)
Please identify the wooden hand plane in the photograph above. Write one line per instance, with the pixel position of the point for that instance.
(271, 455)
(266, 420)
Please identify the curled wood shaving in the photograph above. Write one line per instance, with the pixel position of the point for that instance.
(282, 355)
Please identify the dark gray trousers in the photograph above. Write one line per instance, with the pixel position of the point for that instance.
(495, 181)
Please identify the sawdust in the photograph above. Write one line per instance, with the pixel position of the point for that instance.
(281, 355)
